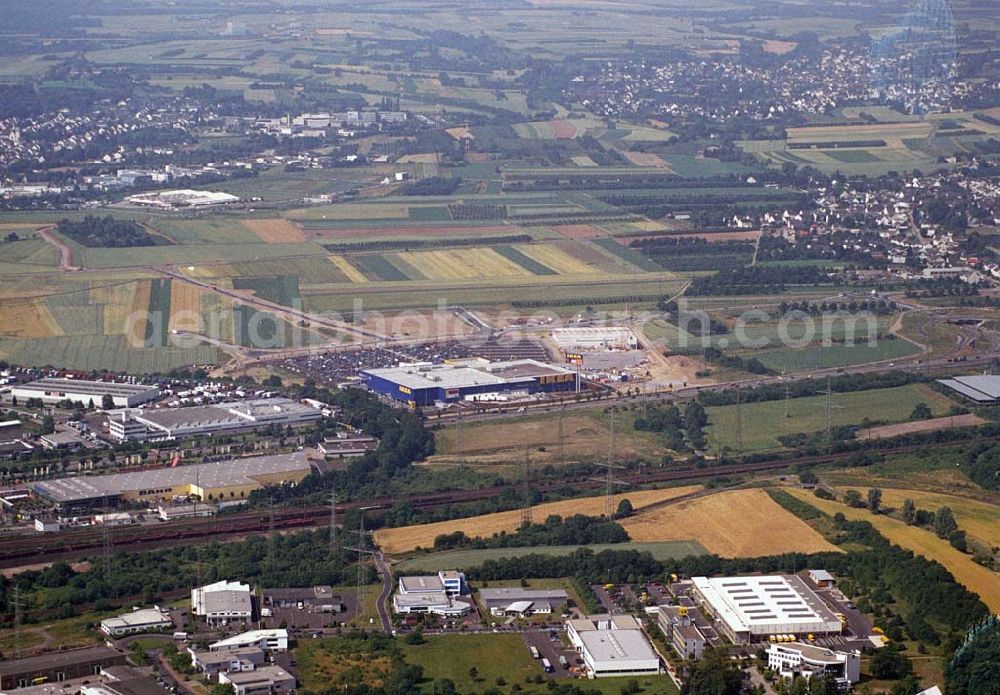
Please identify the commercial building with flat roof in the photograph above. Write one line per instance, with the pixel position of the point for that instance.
(423, 383)
(613, 646)
(212, 663)
(146, 620)
(266, 680)
(751, 609)
(435, 594)
(514, 600)
(595, 338)
(55, 667)
(53, 390)
(234, 479)
(223, 418)
(223, 603)
(181, 198)
(978, 388)
(807, 660)
(267, 640)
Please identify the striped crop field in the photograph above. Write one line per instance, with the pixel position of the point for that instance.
(463, 264)
(349, 271)
(529, 264)
(118, 301)
(627, 254)
(555, 258)
(376, 267)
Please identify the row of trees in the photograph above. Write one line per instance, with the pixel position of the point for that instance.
(574, 530)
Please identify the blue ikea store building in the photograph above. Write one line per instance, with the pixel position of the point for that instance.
(424, 384)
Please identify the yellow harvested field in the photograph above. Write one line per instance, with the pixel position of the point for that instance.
(646, 159)
(460, 132)
(118, 301)
(738, 523)
(134, 329)
(981, 519)
(28, 318)
(973, 577)
(352, 273)
(185, 307)
(275, 231)
(404, 539)
(469, 263)
(554, 258)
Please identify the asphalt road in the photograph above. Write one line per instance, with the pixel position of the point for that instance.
(382, 602)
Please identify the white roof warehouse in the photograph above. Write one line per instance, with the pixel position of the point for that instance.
(750, 609)
(613, 645)
(53, 390)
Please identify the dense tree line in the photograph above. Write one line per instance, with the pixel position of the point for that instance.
(304, 558)
(758, 280)
(714, 355)
(983, 467)
(107, 232)
(975, 669)
(573, 530)
(432, 185)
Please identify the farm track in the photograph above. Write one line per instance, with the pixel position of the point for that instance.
(19, 551)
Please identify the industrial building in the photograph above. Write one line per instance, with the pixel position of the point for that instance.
(517, 601)
(185, 198)
(752, 609)
(424, 384)
(223, 418)
(213, 663)
(807, 660)
(145, 620)
(223, 603)
(53, 390)
(613, 645)
(595, 338)
(980, 389)
(266, 640)
(318, 598)
(56, 667)
(266, 680)
(234, 479)
(434, 594)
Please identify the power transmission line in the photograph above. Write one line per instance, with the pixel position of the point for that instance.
(526, 517)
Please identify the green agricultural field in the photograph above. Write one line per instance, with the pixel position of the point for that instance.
(310, 270)
(189, 254)
(836, 355)
(762, 423)
(280, 289)
(553, 290)
(627, 254)
(463, 559)
(32, 255)
(99, 352)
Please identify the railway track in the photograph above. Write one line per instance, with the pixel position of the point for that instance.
(23, 550)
